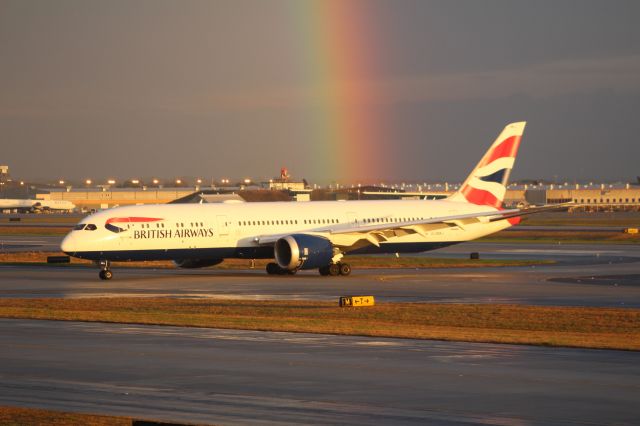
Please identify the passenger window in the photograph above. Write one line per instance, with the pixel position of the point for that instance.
(91, 227)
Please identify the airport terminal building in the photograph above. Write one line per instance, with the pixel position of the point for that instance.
(625, 198)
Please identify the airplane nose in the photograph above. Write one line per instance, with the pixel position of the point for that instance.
(68, 244)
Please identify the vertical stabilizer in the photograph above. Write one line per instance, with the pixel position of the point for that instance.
(487, 183)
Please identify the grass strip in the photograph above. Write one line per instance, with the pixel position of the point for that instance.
(582, 327)
(32, 231)
(562, 237)
(592, 219)
(368, 262)
(20, 416)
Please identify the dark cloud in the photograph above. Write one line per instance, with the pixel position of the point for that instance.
(143, 88)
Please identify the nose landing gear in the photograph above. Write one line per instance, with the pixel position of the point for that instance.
(106, 275)
(105, 270)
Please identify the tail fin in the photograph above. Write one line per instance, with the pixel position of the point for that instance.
(487, 183)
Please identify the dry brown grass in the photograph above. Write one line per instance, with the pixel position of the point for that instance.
(631, 219)
(41, 218)
(564, 237)
(17, 416)
(33, 230)
(20, 416)
(355, 261)
(609, 328)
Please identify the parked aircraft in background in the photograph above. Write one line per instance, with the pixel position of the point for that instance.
(303, 235)
(16, 204)
(34, 205)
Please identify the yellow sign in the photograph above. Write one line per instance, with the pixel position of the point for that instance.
(355, 301)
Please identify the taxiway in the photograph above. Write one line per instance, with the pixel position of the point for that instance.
(605, 275)
(240, 377)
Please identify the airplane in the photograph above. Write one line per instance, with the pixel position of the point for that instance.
(35, 205)
(303, 235)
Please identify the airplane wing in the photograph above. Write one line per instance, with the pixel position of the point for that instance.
(337, 232)
(532, 210)
(349, 235)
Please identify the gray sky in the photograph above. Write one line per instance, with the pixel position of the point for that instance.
(240, 88)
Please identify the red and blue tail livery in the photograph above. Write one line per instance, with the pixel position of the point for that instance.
(487, 183)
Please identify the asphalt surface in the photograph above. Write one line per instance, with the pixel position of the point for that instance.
(240, 377)
(19, 243)
(604, 275)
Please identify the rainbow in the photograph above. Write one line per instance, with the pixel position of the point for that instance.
(345, 125)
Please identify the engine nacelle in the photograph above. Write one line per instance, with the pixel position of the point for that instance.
(301, 251)
(196, 263)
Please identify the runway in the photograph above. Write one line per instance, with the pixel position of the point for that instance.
(239, 377)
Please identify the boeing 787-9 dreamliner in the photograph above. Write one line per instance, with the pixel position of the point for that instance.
(303, 235)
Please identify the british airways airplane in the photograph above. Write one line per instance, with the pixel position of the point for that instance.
(303, 235)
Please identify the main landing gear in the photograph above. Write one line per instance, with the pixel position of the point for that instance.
(275, 269)
(105, 270)
(335, 269)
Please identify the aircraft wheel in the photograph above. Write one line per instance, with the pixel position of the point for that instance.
(105, 274)
(334, 269)
(345, 269)
(291, 271)
(324, 270)
(273, 268)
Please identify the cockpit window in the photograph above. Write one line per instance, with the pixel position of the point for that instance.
(79, 227)
(91, 227)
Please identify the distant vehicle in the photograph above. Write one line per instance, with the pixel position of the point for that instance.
(35, 206)
(312, 235)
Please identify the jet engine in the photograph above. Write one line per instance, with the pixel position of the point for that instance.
(196, 263)
(301, 251)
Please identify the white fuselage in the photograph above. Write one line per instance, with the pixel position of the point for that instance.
(63, 205)
(35, 204)
(222, 230)
(8, 203)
